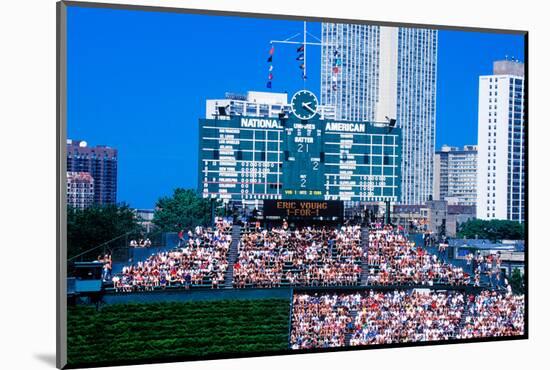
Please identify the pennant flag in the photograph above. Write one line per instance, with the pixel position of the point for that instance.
(268, 84)
(300, 57)
(300, 49)
(334, 79)
(272, 50)
(304, 77)
(335, 70)
(270, 59)
(302, 66)
(270, 77)
(336, 52)
(271, 68)
(338, 62)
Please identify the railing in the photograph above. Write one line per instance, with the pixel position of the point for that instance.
(119, 248)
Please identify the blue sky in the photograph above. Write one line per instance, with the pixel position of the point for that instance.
(138, 81)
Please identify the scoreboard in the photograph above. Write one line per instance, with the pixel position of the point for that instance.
(300, 156)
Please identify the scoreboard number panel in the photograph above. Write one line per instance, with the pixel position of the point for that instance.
(244, 158)
(301, 169)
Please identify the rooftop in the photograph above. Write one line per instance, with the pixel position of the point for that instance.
(509, 67)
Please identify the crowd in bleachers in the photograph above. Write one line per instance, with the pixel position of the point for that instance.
(394, 259)
(489, 265)
(201, 260)
(493, 314)
(371, 317)
(400, 317)
(320, 321)
(307, 256)
(314, 256)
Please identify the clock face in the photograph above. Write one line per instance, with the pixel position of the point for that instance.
(304, 105)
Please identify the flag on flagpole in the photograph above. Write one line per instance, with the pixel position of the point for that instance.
(300, 57)
(302, 66)
(272, 50)
(270, 59)
(270, 76)
(300, 49)
(268, 85)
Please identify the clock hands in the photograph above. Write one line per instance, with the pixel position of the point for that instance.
(307, 106)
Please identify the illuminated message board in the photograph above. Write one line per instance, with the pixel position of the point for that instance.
(303, 208)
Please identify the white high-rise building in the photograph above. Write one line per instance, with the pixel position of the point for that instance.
(501, 143)
(372, 73)
(455, 175)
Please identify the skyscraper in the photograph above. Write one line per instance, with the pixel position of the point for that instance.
(455, 174)
(100, 162)
(501, 143)
(80, 189)
(372, 73)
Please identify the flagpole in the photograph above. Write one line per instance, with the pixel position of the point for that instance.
(293, 40)
(305, 55)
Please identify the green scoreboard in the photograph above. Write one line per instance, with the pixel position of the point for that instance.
(298, 156)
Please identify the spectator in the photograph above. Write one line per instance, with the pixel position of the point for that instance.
(375, 317)
(307, 256)
(201, 261)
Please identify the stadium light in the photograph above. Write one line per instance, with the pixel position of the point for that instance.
(391, 123)
(222, 111)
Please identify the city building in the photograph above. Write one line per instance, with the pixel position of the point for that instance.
(80, 189)
(375, 73)
(256, 104)
(145, 219)
(501, 143)
(100, 162)
(437, 216)
(457, 214)
(455, 174)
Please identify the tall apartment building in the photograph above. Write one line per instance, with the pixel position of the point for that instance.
(257, 104)
(455, 174)
(100, 162)
(501, 143)
(372, 73)
(80, 189)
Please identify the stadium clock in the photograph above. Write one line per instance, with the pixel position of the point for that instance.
(304, 105)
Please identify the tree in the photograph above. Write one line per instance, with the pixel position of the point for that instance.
(184, 209)
(90, 227)
(491, 229)
(517, 282)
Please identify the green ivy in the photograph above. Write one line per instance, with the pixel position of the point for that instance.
(161, 330)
